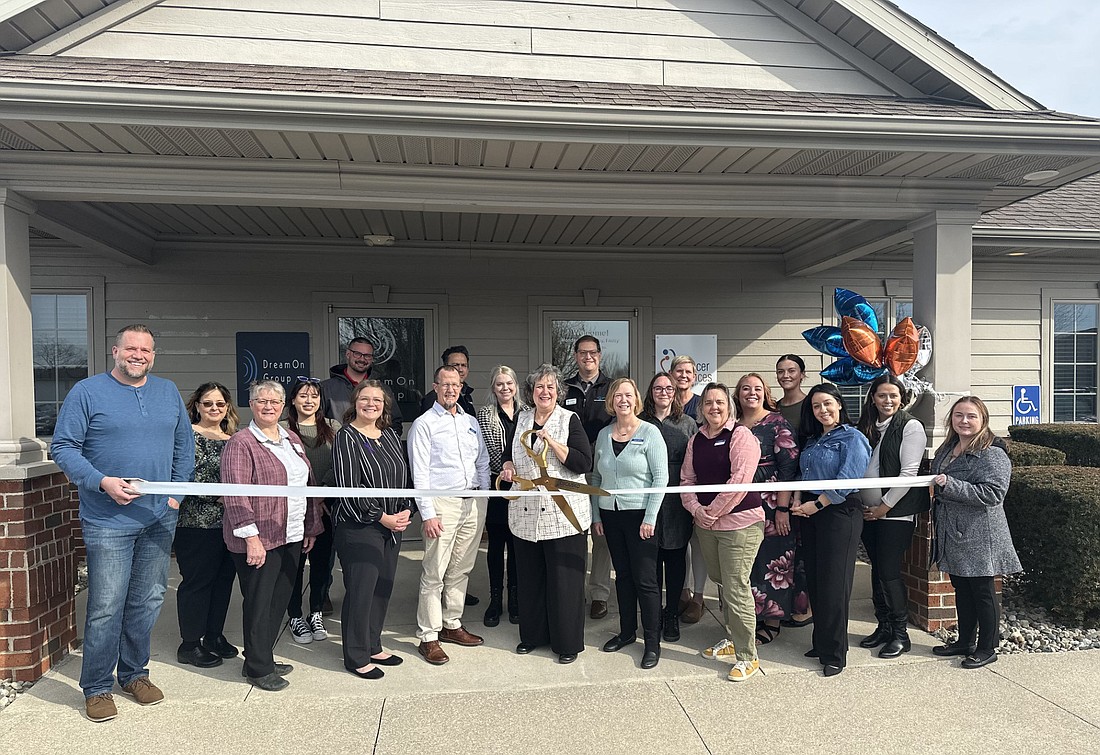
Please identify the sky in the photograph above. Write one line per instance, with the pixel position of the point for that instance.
(1048, 49)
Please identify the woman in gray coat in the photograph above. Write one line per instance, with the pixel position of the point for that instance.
(973, 543)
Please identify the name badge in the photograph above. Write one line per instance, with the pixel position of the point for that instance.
(637, 441)
(719, 442)
(570, 401)
(471, 430)
(297, 448)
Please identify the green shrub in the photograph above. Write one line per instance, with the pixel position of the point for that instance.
(1054, 515)
(1030, 455)
(1081, 442)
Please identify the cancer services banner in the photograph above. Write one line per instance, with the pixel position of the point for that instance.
(703, 349)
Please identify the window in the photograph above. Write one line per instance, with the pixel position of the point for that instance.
(59, 325)
(1075, 361)
(890, 311)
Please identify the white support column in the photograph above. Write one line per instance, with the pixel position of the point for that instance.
(943, 255)
(18, 444)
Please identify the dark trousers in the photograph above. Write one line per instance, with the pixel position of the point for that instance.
(976, 604)
(886, 542)
(265, 591)
(368, 559)
(635, 562)
(829, 542)
(551, 581)
(500, 539)
(206, 585)
(672, 571)
(320, 574)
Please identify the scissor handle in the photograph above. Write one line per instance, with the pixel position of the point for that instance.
(539, 457)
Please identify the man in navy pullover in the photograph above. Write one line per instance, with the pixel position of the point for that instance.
(112, 426)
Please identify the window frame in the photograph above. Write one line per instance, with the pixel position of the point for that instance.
(1052, 297)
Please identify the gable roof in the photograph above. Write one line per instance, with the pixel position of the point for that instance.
(1073, 206)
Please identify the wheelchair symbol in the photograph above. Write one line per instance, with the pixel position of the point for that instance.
(1024, 405)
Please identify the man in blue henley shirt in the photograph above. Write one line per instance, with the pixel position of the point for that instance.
(124, 423)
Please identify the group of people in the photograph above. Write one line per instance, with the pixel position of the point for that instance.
(779, 558)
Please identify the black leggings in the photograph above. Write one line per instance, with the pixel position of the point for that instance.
(672, 567)
(320, 574)
(976, 604)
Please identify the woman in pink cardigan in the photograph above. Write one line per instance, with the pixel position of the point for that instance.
(267, 535)
(729, 525)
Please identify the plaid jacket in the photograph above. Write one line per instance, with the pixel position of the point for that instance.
(246, 461)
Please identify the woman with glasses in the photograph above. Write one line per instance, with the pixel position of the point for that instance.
(682, 372)
(304, 417)
(662, 407)
(206, 569)
(368, 454)
(267, 534)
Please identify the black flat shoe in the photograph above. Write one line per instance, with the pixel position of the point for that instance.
(811, 653)
(526, 647)
(566, 658)
(792, 624)
(650, 658)
(880, 636)
(270, 683)
(831, 670)
(198, 656)
(617, 643)
(472, 600)
(977, 660)
(895, 647)
(954, 648)
(374, 673)
(221, 648)
(281, 669)
(393, 660)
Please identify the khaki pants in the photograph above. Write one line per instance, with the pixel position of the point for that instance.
(448, 560)
(730, 555)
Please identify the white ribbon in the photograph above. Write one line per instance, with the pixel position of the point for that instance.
(210, 489)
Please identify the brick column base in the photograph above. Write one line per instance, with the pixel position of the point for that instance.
(37, 571)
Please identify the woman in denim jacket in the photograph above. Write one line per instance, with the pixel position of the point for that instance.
(832, 519)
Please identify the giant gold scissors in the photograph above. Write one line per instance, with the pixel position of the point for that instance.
(551, 484)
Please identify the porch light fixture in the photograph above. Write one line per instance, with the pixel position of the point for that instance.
(1041, 175)
(378, 240)
(1016, 254)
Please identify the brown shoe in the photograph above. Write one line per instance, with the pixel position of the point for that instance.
(100, 707)
(433, 653)
(459, 636)
(144, 691)
(692, 613)
(599, 609)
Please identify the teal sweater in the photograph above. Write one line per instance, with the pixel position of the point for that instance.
(642, 464)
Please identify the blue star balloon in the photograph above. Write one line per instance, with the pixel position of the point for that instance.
(847, 371)
(850, 304)
(827, 339)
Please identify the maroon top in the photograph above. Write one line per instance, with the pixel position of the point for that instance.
(711, 461)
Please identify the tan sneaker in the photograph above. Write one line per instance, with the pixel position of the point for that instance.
(144, 691)
(742, 670)
(723, 649)
(100, 707)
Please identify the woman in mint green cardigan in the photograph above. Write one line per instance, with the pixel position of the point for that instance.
(631, 453)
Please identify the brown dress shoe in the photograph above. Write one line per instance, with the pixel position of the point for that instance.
(433, 653)
(599, 609)
(459, 636)
(692, 613)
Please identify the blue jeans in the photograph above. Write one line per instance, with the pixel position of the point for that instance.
(127, 577)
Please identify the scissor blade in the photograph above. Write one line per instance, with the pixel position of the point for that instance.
(568, 511)
(579, 487)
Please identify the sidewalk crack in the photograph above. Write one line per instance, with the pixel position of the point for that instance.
(1080, 718)
(690, 721)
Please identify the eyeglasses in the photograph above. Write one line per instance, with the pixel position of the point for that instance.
(449, 386)
(211, 404)
(664, 389)
(267, 401)
(361, 354)
(304, 379)
(587, 352)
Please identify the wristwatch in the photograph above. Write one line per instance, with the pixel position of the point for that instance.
(784, 509)
(818, 504)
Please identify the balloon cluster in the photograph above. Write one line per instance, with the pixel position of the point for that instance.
(862, 356)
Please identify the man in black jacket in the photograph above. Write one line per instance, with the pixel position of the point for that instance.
(459, 358)
(586, 394)
(336, 391)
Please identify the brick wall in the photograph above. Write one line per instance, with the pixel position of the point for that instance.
(931, 597)
(38, 558)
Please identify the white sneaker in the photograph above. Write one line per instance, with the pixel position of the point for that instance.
(301, 632)
(742, 670)
(317, 626)
(721, 649)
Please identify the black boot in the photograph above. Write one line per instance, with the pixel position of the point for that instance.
(882, 614)
(496, 607)
(513, 604)
(670, 625)
(898, 601)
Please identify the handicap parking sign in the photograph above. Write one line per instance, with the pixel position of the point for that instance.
(1025, 404)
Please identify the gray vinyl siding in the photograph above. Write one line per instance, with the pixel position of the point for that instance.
(720, 43)
(197, 301)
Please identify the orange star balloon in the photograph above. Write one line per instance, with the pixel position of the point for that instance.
(861, 341)
(902, 347)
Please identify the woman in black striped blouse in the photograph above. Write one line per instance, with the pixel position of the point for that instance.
(367, 453)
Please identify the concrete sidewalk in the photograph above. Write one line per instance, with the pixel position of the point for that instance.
(490, 700)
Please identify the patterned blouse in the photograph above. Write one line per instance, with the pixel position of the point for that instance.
(204, 512)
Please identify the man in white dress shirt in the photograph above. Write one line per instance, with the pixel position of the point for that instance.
(446, 452)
